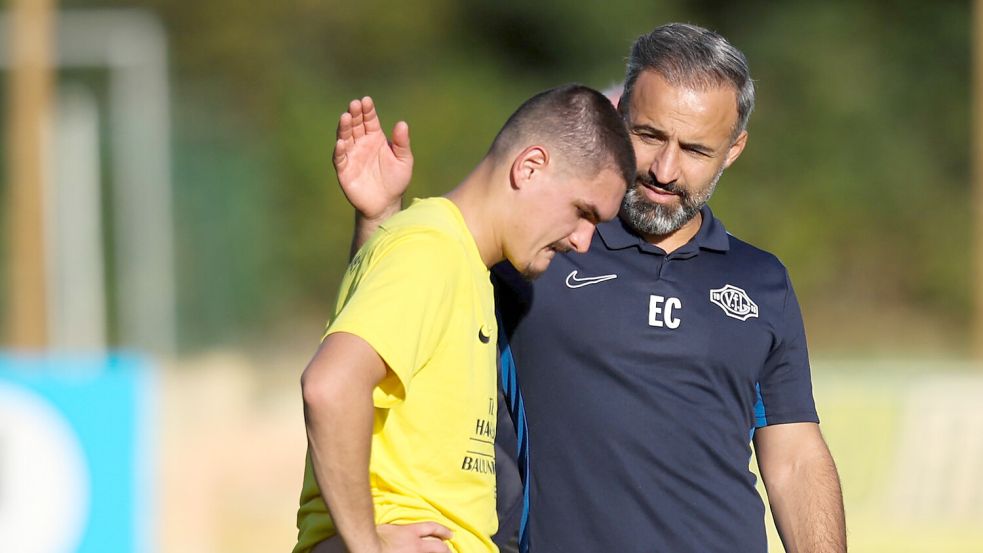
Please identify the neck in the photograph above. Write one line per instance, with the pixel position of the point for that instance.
(677, 238)
(474, 197)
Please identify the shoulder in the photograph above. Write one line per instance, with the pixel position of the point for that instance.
(425, 230)
(437, 216)
(758, 273)
(411, 259)
(409, 251)
(748, 257)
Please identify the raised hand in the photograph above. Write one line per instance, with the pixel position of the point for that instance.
(373, 172)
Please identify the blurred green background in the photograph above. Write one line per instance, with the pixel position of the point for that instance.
(856, 174)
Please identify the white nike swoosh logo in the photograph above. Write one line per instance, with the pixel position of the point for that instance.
(574, 282)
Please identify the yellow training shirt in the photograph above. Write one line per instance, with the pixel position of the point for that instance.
(420, 295)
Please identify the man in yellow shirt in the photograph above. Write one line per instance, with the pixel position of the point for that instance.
(400, 399)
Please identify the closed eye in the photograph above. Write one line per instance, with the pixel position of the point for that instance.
(589, 213)
(698, 151)
(649, 136)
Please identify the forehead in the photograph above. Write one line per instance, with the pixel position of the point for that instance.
(691, 114)
(602, 192)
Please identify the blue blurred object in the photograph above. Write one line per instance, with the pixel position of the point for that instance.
(77, 440)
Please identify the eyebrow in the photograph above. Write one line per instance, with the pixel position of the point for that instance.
(660, 134)
(591, 211)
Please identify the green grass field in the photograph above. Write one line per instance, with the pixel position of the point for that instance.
(907, 437)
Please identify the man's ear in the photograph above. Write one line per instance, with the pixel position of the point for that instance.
(735, 149)
(528, 165)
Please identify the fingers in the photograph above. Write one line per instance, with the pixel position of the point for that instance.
(401, 142)
(358, 127)
(360, 119)
(344, 131)
(433, 545)
(433, 529)
(344, 140)
(340, 157)
(370, 119)
(424, 537)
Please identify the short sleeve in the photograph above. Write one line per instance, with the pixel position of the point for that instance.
(397, 296)
(785, 386)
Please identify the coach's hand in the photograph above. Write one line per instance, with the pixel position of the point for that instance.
(372, 171)
(421, 537)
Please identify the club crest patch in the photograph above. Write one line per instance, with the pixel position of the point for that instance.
(735, 302)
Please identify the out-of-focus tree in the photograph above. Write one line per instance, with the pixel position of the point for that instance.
(858, 169)
(856, 173)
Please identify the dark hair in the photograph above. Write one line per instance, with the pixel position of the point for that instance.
(691, 56)
(577, 121)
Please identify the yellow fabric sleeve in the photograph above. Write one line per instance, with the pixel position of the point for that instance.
(396, 302)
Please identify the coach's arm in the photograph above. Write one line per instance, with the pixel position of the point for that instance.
(338, 410)
(803, 487)
(373, 172)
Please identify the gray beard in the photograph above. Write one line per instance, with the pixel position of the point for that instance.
(649, 219)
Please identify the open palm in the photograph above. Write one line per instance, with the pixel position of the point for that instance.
(372, 171)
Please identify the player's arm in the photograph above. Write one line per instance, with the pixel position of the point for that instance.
(803, 487)
(373, 172)
(338, 409)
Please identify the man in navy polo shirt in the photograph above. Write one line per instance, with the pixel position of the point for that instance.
(640, 372)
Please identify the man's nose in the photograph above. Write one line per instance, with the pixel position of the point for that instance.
(581, 236)
(665, 166)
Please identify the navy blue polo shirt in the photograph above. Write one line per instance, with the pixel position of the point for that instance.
(643, 377)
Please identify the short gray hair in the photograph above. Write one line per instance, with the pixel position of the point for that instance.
(691, 56)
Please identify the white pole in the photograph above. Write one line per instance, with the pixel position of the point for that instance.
(132, 45)
(76, 280)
